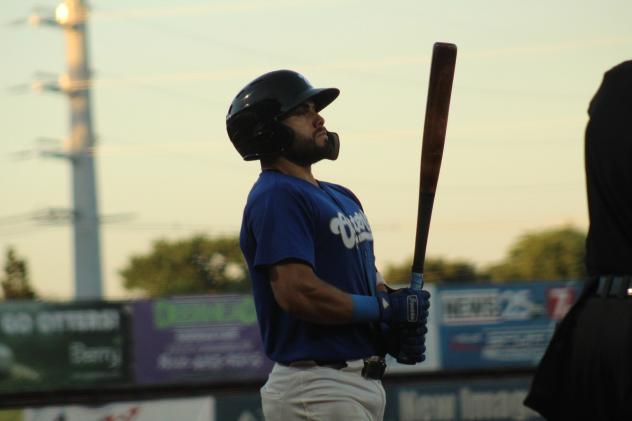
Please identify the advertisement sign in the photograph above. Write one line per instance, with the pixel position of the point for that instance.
(12, 415)
(508, 325)
(46, 346)
(202, 338)
(245, 406)
(498, 399)
(491, 400)
(189, 409)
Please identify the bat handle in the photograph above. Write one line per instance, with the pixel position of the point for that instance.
(417, 281)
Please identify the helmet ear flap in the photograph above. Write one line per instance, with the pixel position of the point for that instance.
(272, 140)
(260, 138)
(282, 135)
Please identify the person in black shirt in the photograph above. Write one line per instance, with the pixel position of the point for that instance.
(586, 372)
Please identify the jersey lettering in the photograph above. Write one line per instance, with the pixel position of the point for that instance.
(352, 229)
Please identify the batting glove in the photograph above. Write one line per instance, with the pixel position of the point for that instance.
(407, 344)
(404, 305)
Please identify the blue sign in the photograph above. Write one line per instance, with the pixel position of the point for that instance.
(497, 399)
(508, 325)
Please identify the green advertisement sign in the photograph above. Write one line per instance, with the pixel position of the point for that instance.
(48, 346)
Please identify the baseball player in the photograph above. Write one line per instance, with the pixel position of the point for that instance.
(586, 372)
(326, 317)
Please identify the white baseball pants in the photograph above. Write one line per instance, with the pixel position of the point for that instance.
(322, 394)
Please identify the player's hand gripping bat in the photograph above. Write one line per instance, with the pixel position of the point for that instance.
(437, 107)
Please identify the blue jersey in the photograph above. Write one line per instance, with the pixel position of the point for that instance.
(287, 218)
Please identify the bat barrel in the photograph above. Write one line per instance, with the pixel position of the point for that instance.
(435, 126)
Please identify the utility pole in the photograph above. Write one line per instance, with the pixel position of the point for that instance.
(87, 256)
(72, 16)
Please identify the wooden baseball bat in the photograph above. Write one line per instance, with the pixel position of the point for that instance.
(435, 125)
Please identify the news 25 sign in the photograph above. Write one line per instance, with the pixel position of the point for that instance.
(508, 325)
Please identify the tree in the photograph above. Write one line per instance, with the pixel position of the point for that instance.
(196, 265)
(435, 270)
(552, 254)
(15, 283)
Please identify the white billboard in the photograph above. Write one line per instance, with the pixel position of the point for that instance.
(190, 409)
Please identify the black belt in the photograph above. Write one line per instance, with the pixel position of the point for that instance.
(373, 368)
(614, 286)
(337, 365)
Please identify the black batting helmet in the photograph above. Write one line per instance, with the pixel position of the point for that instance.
(253, 119)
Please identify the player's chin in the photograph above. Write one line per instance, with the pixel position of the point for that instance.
(320, 140)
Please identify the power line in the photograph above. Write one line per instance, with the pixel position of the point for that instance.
(203, 38)
(173, 226)
(169, 92)
(19, 232)
(12, 219)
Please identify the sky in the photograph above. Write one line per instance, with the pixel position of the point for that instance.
(166, 72)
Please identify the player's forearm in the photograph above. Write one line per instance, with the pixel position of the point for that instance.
(301, 293)
(319, 302)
